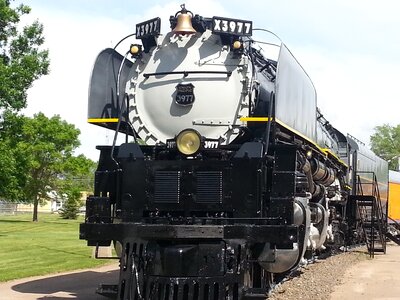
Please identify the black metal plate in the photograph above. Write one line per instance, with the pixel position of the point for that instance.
(148, 28)
(232, 26)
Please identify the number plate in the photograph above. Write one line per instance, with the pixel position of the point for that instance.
(184, 94)
(148, 28)
(210, 144)
(231, 26)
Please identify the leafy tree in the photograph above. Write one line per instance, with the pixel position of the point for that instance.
(12, 162)
(40, 158)
(385, 142)
(21, 59)
(78, 176)
(47, 144)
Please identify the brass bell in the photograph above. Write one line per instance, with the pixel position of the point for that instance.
(184, 22)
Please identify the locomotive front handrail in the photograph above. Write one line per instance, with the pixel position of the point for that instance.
(186, 73)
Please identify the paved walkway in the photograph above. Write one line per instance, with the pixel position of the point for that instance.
(72, 285)
(375, 279)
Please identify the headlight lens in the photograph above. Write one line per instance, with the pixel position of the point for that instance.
(188, 142)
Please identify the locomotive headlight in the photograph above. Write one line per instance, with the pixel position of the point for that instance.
(188, 142)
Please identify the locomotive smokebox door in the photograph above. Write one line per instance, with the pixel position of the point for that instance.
(184, 94)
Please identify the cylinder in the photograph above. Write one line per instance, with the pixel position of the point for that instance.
(321, 173)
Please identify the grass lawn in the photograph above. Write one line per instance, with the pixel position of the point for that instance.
(36, 248)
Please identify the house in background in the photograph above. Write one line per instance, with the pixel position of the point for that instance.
(51, 206)
(48, 206)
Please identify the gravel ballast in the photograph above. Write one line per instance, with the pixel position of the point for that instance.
(316, 281)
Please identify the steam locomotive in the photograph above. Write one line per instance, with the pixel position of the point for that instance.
(229, 173)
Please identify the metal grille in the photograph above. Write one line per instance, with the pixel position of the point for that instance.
(167, 186)
(209, 187)
(159, 288)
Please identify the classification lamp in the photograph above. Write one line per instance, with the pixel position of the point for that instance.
(135, 50)
(236, 45)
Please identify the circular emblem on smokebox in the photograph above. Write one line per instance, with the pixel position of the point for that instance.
(184, 94)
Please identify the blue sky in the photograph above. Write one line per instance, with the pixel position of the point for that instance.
(350, 49)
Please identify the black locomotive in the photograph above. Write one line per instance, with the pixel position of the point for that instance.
(232, 174)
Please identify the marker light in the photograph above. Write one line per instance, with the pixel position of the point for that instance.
(237, 45)
(237, 48)
(135, 50)
(188, 142)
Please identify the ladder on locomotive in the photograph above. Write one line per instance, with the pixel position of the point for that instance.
(370, 212)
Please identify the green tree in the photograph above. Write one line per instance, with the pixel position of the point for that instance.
(12, 162)
(78, 176)
(72, 203)
(385, 142)
(40, 159)
(21, 59)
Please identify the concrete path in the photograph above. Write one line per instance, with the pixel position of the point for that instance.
(375, 279)
(64, 286)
